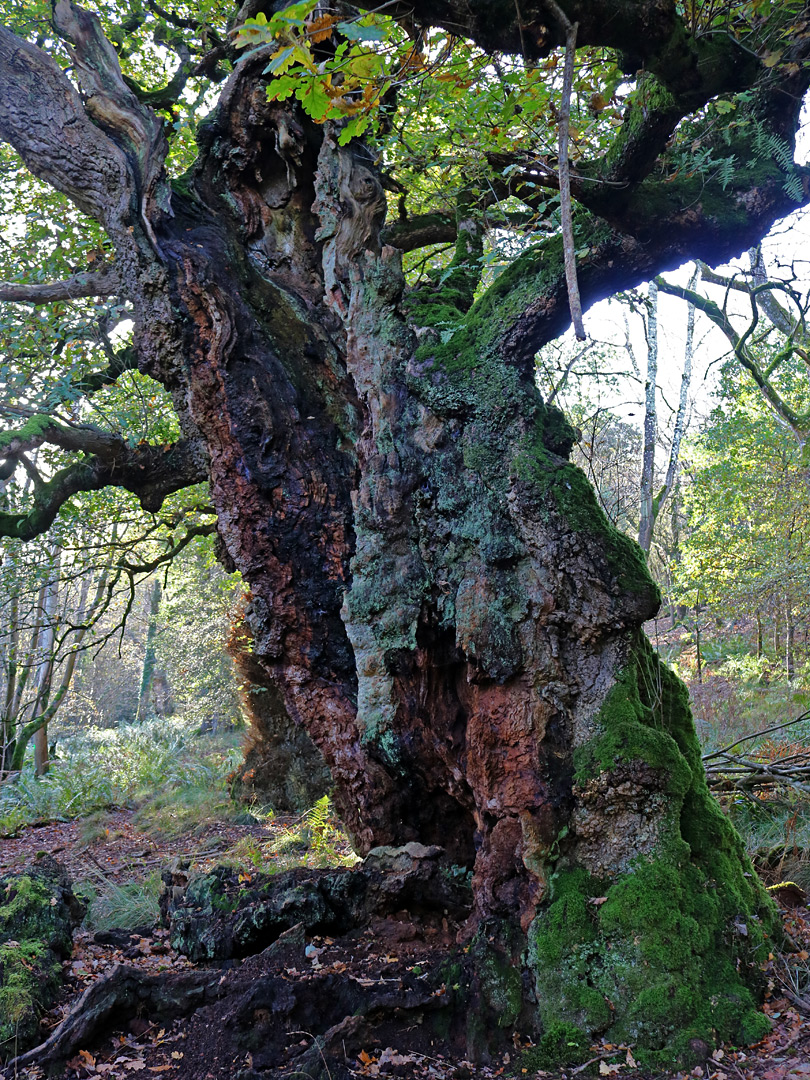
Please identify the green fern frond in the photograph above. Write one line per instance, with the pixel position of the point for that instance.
(793, 187)
(725, 171)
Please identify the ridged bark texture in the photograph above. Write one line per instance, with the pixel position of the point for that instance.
(437, 599)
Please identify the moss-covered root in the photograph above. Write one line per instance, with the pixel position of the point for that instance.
(38, 912)
(655, 925)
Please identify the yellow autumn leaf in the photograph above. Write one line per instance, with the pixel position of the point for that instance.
(321, 28)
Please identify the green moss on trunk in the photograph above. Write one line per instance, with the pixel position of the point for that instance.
(668, 951)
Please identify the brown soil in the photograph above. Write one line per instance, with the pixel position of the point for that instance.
(122, 852)
(319, 988)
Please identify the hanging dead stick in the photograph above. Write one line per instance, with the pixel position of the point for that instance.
(569, 250)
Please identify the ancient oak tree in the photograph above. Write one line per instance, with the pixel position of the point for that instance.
(434, 594)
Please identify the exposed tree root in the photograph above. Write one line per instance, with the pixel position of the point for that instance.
(221, 915)
(279, 989)
(274, 1010)
(120, 995)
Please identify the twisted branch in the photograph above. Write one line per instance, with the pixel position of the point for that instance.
(101, 283)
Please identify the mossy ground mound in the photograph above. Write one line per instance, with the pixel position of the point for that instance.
(38, 912)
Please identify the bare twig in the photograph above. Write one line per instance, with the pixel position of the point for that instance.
(601, 1057)
(728, 772)
(755, 735)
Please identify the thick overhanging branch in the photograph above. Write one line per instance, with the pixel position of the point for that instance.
(661, 224)
(42, 116)
(649, 35)
(84, 438)
(655, 110)
(441, 226)
(649, 222)
(113, 107)
(150, 472)
(640, 29)
(526, 307)
(101, 283)
(771, 107)
(421, 231)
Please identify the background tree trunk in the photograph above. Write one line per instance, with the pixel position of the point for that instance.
(790, 634)
(148, 671)
(48, 619)
(46, 704)
(647, 513)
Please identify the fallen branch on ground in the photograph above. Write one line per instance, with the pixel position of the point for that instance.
(728, 771)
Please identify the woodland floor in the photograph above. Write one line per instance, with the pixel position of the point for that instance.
(192, 1048)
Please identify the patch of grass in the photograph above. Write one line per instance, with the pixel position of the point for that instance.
(94, 828)
(121, 767)
(120, 907)
(190, 808)
(776, 833)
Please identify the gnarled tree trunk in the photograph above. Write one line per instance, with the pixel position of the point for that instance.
(436, 597)
(439, 602)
